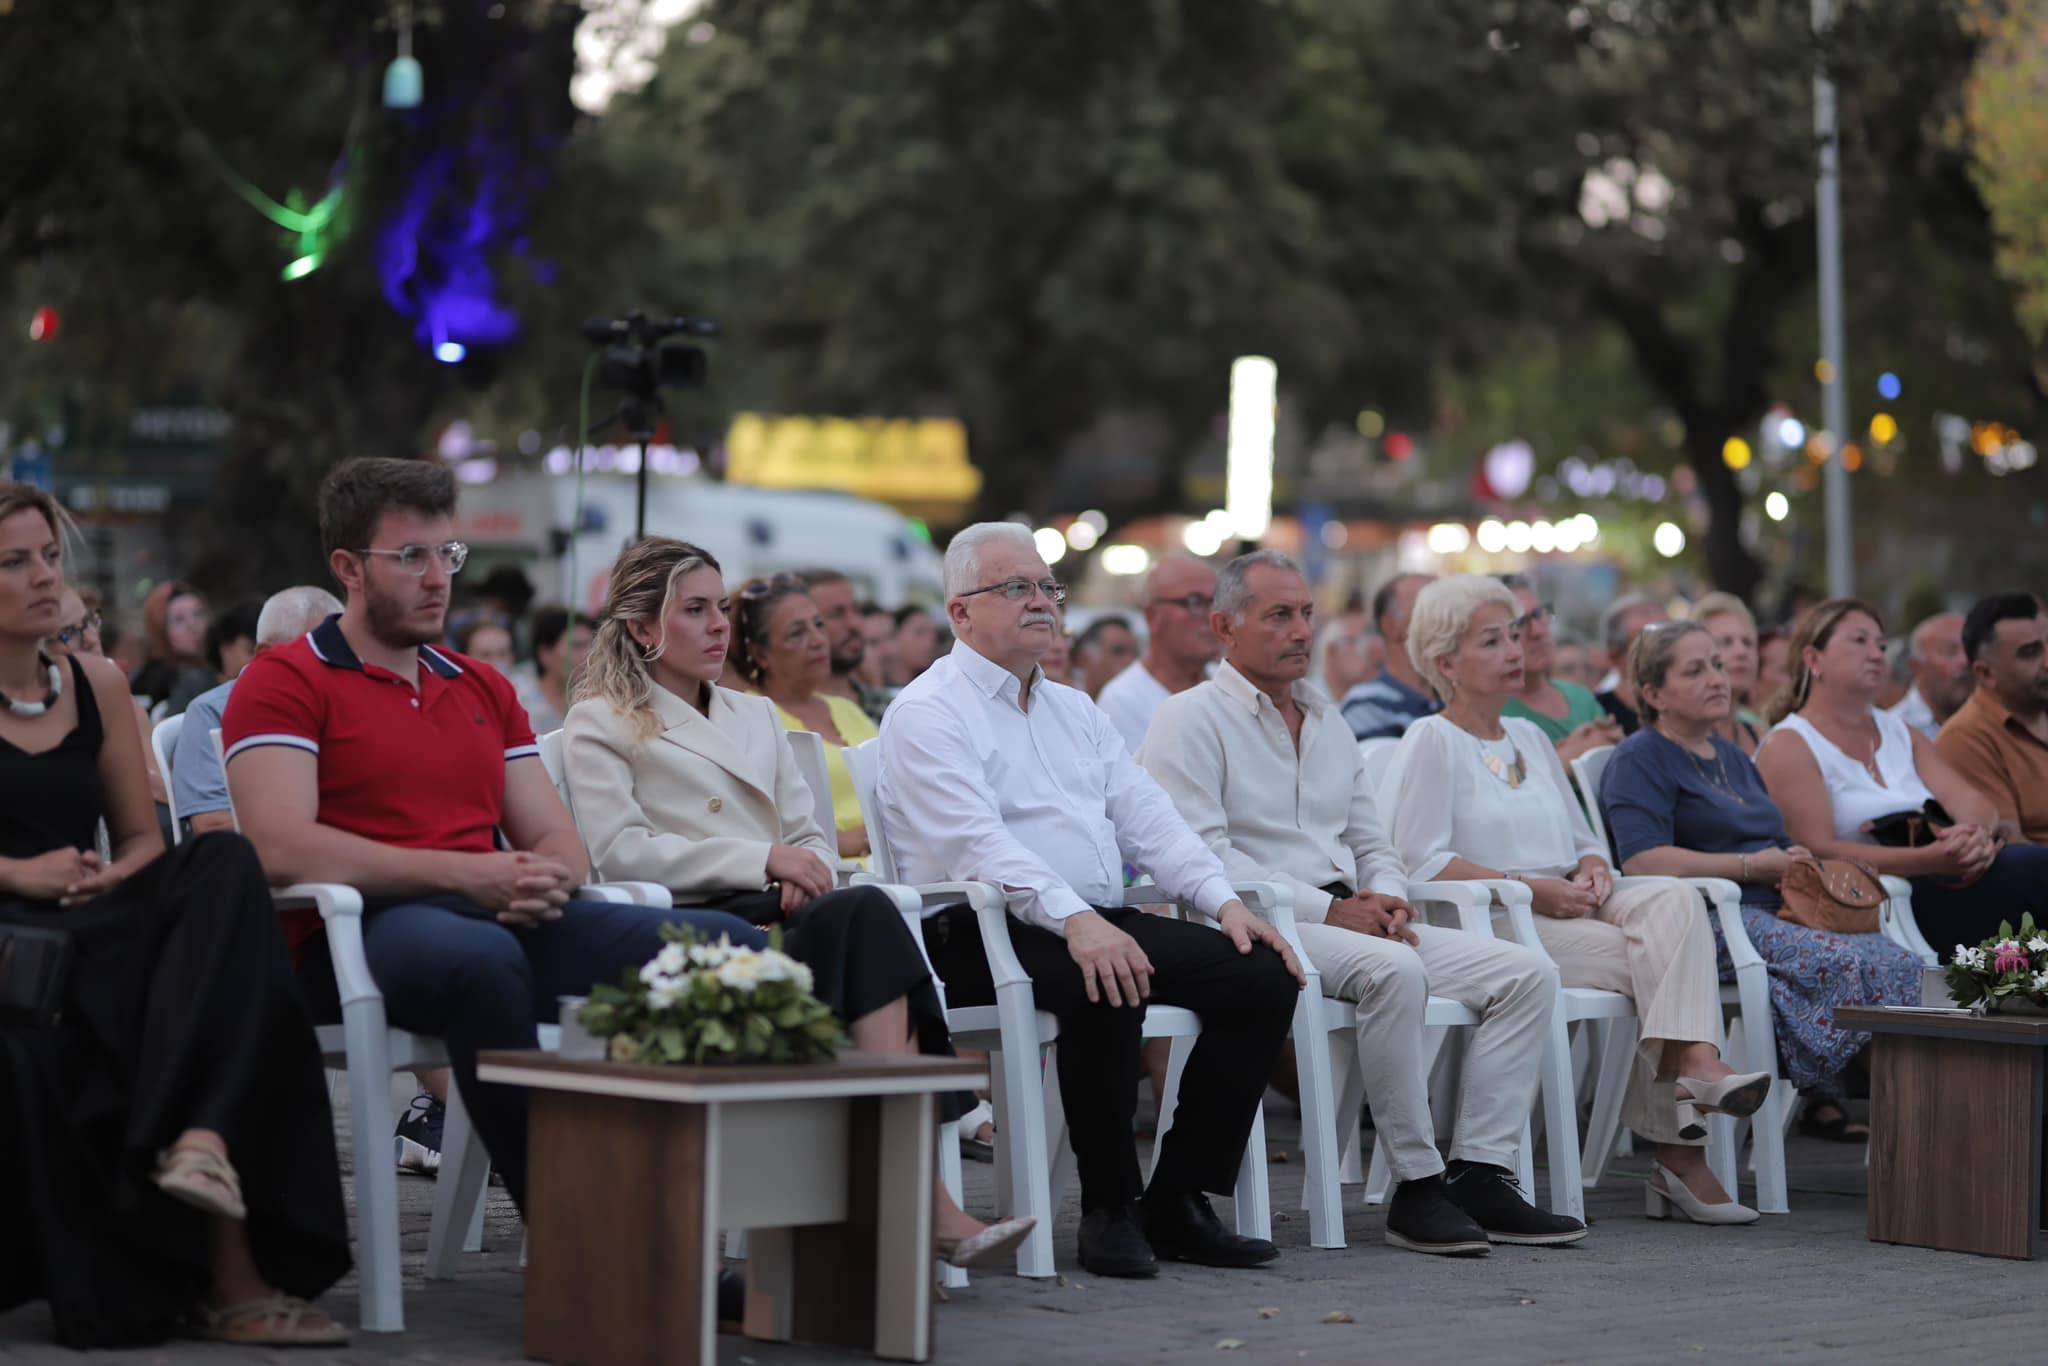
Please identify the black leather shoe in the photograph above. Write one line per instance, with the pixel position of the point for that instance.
(1490, 1196)
(1182, 1228)
(1113, 1245)
(1422, 1218)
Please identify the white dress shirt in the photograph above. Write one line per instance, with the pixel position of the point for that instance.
(1442, 802)
(1131, 700)
(1045, 804)
(1914, 711)
(1223, 753)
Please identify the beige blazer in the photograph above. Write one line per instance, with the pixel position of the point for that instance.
(696, 806)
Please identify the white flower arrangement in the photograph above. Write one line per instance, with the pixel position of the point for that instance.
(702, 1002)
(2008, 972)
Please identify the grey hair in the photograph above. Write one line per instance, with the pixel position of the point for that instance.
(963, 552)
(1443, 613)
(291, 613)
(1615, 618)
(1233, 590)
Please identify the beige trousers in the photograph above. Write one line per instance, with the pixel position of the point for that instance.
(1651, 943)
(1511, 988)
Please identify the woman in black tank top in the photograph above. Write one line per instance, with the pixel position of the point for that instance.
(166, 1148)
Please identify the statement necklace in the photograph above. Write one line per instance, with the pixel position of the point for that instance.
(1511, 774)
(19, 708)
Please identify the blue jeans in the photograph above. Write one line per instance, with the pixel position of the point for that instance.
(449, 969)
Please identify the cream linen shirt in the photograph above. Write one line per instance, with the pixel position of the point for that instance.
(1045, 804)
(1222, 752)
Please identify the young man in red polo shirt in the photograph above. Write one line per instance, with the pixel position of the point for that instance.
(365, 754)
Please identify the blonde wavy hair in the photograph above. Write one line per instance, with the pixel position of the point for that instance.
(643, 588)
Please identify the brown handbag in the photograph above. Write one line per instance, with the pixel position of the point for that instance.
(1838, 895)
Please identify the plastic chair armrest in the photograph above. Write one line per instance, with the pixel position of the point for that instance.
(341, 911)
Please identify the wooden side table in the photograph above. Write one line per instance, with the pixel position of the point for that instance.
(633, 1170)
(1955, 1122)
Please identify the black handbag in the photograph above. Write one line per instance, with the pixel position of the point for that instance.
(34, 963)
(1911, 829)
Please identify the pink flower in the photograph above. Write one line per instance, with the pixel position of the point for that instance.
(2011, 958)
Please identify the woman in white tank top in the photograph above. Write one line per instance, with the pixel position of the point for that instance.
(1834, 764)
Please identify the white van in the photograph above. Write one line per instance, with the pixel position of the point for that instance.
(526, 518)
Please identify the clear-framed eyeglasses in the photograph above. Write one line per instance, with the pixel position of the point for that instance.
(413, 559)
(1017, 590)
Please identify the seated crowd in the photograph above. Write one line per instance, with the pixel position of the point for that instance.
(179, 1167)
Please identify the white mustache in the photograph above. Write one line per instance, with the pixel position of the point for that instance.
(1039, 619)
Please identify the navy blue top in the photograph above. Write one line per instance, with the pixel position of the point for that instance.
(1656, 793)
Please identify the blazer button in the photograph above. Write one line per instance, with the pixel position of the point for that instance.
(716, 805)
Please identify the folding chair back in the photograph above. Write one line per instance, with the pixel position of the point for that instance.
(163, 742)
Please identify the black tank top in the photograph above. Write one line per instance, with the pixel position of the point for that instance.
(55, 799)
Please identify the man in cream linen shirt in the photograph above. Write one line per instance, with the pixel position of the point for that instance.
(1266, 770)
(992, 774)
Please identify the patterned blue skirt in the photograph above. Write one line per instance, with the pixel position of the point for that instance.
(1814, 973)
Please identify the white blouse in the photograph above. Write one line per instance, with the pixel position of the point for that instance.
(1859, 798)
(1440, 801)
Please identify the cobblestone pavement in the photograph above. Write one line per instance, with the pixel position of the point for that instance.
(1803, 1287)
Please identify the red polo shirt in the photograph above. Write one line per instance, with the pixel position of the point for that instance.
(420, 769)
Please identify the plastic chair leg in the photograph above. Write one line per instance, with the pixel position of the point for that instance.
(950, 1276)
(1617, 1058)
(1558, 1100)
(1322, 1192)
(458, 1191)
(382, 1308)
(1024, 1087)
(1253, 1195)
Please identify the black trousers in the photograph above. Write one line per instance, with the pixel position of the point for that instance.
(1245, 1002)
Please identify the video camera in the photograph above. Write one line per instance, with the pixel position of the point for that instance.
(642, 356)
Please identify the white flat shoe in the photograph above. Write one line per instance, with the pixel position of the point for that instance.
(1660, 1199)
(980, 1247)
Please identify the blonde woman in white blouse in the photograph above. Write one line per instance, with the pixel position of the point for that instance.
(1470, 794)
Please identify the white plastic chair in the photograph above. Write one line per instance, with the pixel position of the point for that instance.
(163, 741)
(809, 749)
(370, 1050)
(1015, 1032)
(1752, 1040)
(1469, 904)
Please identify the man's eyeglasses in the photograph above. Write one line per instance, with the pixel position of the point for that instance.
(71, 635)
(413, 559)
(1540, 612)
(1017, 590)
(1193, 602)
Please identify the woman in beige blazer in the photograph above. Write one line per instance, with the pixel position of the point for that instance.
(678, 781)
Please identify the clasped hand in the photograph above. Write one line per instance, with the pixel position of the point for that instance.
(520, 888)
(1382, 917)
(1574, 897)
(801, 874)
(69, 877)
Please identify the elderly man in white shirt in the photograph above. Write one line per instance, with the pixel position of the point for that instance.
(1265, 769)
(990, 773)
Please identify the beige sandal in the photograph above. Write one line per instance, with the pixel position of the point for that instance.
(280, 1321)
(202, 1179)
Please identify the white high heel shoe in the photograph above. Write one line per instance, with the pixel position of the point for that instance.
(1738, 1094)
(1659, 1201)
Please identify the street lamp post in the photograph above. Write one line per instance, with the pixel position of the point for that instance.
(1834, 375)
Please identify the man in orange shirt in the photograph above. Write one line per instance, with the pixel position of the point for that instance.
(1998, 739)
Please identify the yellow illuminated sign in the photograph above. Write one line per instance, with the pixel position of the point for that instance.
(918, 462)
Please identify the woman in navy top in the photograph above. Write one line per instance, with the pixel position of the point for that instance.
(1682, 802)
